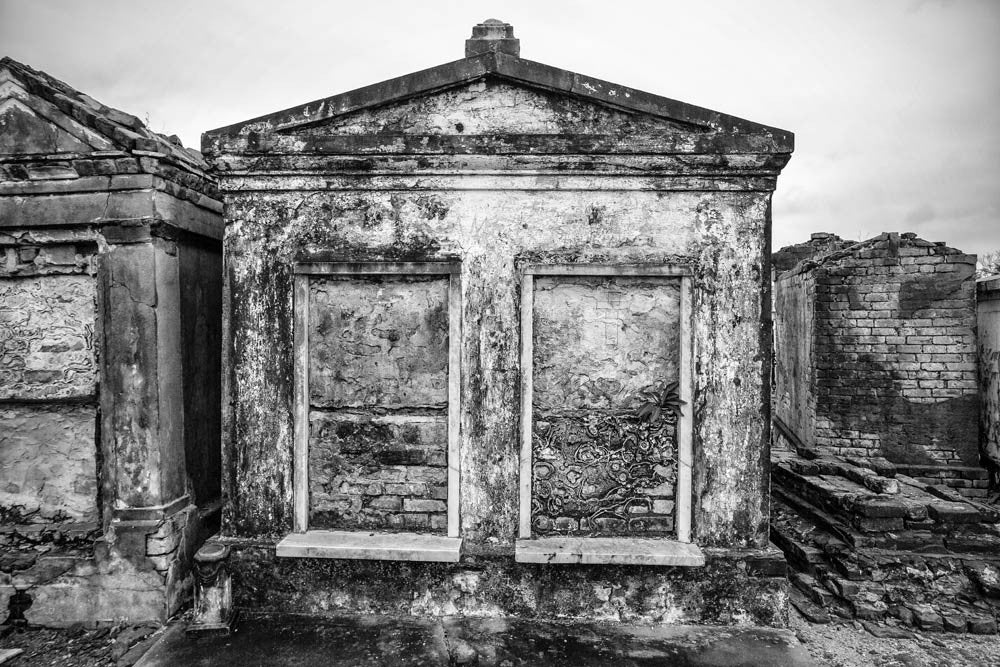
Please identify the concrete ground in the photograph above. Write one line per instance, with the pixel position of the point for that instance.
(410, 642)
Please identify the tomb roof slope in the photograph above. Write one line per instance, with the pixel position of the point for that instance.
(80, 124)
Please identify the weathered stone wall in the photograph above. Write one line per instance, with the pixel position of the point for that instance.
(735, 587)
(493, 231)
(988, 294)
(48, 382)
(894, 352)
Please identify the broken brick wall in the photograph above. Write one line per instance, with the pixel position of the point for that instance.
(819, 243)
(893, 351)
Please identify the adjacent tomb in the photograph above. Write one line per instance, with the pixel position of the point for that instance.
(110, 322)
(876, 355)
(488, 326)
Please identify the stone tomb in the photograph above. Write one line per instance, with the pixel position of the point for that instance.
(497, 342)
(110, 324)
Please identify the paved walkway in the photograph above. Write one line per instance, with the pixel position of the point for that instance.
(410, 642)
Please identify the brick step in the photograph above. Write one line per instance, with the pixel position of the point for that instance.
(819, 591)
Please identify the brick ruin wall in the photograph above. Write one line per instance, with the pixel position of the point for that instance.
(889, 366)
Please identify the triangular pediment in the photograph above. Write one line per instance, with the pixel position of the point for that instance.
(491, 106)
(483, 88)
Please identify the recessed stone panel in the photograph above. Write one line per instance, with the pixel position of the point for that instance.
(378, 341)
(48, 459)
(47, 337)
(603, 347)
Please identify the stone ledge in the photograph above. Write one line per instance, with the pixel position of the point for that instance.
(608, 551)
(370, 546)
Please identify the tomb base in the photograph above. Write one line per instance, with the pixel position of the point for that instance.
(732, 587)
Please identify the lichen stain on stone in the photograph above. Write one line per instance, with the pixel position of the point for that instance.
(261, 362)
(727, 347)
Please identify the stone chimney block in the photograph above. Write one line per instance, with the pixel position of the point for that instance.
(492, 35)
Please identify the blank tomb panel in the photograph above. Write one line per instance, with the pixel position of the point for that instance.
(378, 394)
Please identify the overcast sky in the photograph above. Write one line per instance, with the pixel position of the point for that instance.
(894, 104)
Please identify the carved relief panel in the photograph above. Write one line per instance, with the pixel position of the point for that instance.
(601, 405)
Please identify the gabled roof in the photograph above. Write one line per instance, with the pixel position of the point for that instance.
(507, 67)
(77, 123)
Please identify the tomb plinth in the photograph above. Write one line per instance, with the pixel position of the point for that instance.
(497, 340)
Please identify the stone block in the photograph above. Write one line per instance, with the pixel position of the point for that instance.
(954, 622)
(845, 588)
(420, 505)
(877, 525)
(982, 543)
(986, 576)
(417, 521)
(926, 618)
(882, 509)
(982, 625)
(427, 474)
(388, 503)
(406, 489)
(866, 611)
(953, 512)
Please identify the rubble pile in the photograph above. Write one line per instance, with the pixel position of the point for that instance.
(866, 542)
